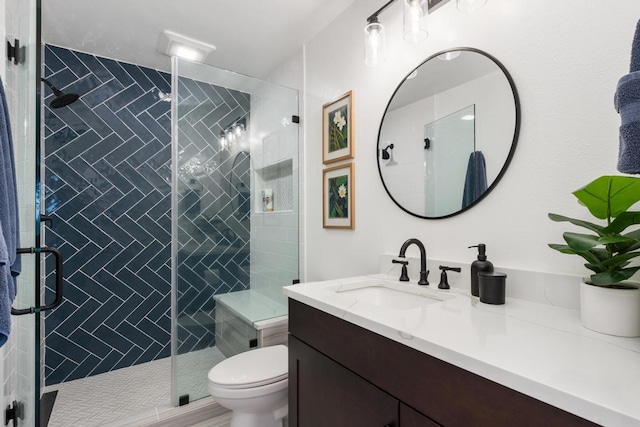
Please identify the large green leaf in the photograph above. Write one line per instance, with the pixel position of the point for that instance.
(609, 278)
(632, 243)
(622, 221)
(562, 248)
(601, 253)
(586, 224)
(595, 268)
(580, 242)
(609, 240)
(620, 261)
(609, 196)
(589, 255)
(634, 235)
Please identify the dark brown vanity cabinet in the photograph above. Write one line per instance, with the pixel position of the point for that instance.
(330, 395)
(343, 375)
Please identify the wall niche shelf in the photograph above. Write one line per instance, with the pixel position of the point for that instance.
(276, 179)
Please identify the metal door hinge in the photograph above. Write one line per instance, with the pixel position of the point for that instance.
(15, 52)
(14, 412)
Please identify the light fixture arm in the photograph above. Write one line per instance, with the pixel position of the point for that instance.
(374, 16)
(433, 4)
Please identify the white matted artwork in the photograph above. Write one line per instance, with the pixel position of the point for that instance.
(338, 129)
(338, 189)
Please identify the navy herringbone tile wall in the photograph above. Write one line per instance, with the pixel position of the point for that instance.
(108, 188)
(107, 177)
(213, 229)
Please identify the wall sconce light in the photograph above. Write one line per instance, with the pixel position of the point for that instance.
(415, 14)
(232, 133)
(174, 44)
(374, 44)
(415, 31)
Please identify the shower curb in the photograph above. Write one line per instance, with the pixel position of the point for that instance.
(209, 411)
(203, 412)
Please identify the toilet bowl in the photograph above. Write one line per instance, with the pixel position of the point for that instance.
(253, 385)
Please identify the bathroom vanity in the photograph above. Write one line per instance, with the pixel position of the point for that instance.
(361, 359)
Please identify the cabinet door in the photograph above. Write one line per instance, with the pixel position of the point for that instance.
(409, 417)
(323, 393)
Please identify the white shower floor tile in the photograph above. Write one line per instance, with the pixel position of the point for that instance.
(117, 397)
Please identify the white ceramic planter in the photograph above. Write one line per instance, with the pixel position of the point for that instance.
(610, 311)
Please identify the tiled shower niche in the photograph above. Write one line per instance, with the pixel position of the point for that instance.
(276, 180)
(108, 189)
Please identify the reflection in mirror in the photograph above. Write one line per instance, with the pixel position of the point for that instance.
(448, 142)
(453, 123)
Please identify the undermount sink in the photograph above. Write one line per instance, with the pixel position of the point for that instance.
(391, 297)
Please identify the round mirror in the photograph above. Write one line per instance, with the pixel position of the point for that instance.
(448, 133)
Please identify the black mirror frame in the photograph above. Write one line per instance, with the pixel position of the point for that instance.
(514, 142)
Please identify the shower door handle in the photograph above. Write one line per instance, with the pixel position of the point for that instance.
(59, 281)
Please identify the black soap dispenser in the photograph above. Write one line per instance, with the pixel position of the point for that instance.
(478, 266)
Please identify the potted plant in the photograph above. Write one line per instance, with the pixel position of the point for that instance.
(609, 303)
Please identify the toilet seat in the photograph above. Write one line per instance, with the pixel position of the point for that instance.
(219, 392)
(251, 369)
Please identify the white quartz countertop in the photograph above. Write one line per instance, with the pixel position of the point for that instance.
(540, 350)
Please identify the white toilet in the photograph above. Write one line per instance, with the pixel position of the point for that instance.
(254, 386)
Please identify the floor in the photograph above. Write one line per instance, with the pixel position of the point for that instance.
(117, 398)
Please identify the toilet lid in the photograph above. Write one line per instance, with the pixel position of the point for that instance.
(252, 368)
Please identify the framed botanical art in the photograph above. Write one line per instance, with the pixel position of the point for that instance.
(338, 189)
(338, 129)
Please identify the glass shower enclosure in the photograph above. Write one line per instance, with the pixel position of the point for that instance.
(234, 216)
(21, 353)
(233, 222)
(451, 141)
(233, 219)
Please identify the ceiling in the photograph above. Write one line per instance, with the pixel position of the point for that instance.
(252, 37)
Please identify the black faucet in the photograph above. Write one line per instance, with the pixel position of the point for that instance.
(423, 259)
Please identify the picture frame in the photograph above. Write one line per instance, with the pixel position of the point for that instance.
(338, 201)
(338, 130)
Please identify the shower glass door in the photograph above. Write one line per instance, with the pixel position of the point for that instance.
(21, 351)
(452, 140)
(235, 215)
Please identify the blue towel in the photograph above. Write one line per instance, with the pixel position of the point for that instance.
(5, 301)
(635, 50)
(627, 103)
(8, 216)
(475, 183)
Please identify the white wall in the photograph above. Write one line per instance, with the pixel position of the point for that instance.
(565, 58)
